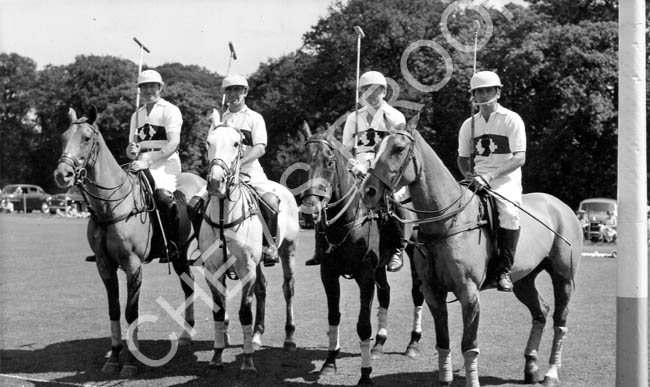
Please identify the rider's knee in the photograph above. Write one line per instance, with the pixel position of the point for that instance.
(272, 200)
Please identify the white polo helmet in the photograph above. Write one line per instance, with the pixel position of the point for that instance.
(372, 78)
(234, 80)
(150, 76)
(484, 79)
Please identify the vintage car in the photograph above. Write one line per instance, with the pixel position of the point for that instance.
(594, 213)
(70, 202)
(24, 197)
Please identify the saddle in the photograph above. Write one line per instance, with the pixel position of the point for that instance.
(184, 225)
(490, 216)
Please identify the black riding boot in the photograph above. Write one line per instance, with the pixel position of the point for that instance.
(507, 243)
(391, 245)
(319, 245)
(195, 210)
(169, 217)
(269, 210)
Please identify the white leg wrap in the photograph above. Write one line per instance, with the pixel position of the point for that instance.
(471, 367)
(248, 338)
(555, 360)
(534, 338)
(444, 365)
(365, 353)
(116, 333)
(417, 319)
(219, 333)
(333, 335)
(382, 322)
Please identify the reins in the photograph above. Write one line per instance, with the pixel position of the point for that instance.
(81, 180)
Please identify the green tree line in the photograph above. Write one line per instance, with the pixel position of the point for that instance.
(557, 60)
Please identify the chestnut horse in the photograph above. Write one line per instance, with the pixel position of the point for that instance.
(454, 248)
(120, 229)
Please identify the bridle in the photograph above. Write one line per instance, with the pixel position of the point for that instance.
(231, 171)
(81, 180)
(325, 192)
(451, 211)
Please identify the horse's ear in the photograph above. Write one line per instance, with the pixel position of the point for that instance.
(92, 115)
(413, 123)
(306, 129)
(72, 114)
(330, 131)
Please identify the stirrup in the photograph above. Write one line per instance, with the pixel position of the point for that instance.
(270, 256)
(172, 253)
(91, 258)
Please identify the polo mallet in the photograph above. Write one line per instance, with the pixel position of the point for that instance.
(360, 35)
(477, 26)
(233, 55)
(137, 95)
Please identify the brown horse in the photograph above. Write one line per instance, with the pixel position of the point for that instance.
(454, 249)
(120, 229)
(349, 234)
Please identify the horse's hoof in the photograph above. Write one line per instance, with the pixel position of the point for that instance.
(248, 373)
(365, 381)
(365, 376)
(531, 377)
(111, 368)
(129, 371)
(257, 341)
(412, 352)
(328, 369)
(444, 384)
(377, 352)
(550, 382)
(290, 346)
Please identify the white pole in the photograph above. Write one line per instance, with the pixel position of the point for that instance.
(632, 273)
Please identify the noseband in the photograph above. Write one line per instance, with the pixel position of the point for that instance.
(78, 166)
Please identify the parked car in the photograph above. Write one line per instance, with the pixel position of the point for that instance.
(69, 202)
(595, 212)
(24, 197)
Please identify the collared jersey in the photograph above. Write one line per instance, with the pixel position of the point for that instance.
(152, 129)
(372, 128)
(253, 127)
(494, 141)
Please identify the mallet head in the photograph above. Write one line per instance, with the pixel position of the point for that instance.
(359, 32)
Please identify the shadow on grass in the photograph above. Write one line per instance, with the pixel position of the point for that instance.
(82, 361)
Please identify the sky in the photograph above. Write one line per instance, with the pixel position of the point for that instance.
(185, 31)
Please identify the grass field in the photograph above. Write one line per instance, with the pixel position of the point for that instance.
(54, 327)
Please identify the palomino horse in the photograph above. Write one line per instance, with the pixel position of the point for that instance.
(120, 228)
(231, 235)
(350, 238)
(454, 249)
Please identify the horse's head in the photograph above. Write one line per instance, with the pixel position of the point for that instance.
(80, 148)
(393, 167)
(326, 172)
(224, 152)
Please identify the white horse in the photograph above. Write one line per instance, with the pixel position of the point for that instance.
(231, 237)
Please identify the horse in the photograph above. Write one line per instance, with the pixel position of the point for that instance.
(231, 236)
(120, 229)
(349, 234)
(454, 248)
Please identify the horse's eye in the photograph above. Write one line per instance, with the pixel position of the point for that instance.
(236, 145)
(398, 150)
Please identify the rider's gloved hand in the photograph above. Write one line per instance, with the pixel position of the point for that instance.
(356, 167)
(133, 150)
(140, 164)
(481, 181)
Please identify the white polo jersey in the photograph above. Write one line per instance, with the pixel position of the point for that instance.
(495, 141)
(151, 134)
(373, 126)
(253, 127)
